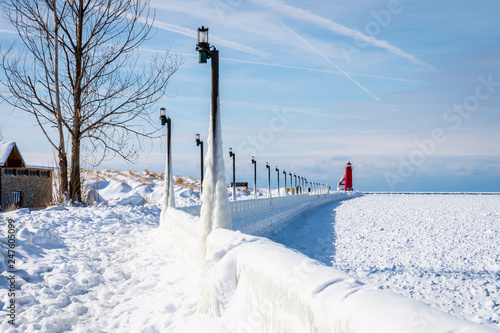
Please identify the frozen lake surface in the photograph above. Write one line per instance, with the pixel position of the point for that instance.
(443, 250)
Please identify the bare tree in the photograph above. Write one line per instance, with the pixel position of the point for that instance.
(37, 93)
(105, 94)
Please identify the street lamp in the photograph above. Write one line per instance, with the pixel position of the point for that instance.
(203, 47)
(233, 155)
(284, 173)
(290, 173)
(168, 175)
(163, 116)
(254, 162)
(278, 174)
(268, 180)
(295, 182)
(200, 143)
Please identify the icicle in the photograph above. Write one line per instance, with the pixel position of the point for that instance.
(168, 198)
(215, 203)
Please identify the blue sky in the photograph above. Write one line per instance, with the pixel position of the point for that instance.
(408, 91)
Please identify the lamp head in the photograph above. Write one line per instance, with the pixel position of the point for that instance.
(163, 116)
(203, 47)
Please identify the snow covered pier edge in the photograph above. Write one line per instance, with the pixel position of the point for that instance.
(257, 285)
(261, 216)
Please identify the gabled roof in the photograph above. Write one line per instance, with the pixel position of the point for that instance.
(9, 150)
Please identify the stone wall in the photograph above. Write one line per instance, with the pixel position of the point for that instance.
(35, 185)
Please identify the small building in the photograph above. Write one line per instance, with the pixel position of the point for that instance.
(22, 186)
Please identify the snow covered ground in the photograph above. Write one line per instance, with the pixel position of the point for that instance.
(108, 268)
(443, 250)
(99, 269)
(113, 187)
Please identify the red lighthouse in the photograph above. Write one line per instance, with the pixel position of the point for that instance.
(348, 177)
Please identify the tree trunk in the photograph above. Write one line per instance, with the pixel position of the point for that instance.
(63, 174)
(63, 159)
(75, 189)
(75, 192)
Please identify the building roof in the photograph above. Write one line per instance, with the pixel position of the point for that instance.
(9, 149)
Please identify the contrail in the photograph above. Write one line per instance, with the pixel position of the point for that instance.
(330, 62)
(292, 67)
(340, 29)
(318, 70)
(192, 33)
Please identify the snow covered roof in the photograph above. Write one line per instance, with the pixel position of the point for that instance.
(6, 149)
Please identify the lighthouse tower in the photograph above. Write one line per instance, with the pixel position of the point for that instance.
(348, 177)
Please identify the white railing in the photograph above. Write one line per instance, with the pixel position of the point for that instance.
(244, 208)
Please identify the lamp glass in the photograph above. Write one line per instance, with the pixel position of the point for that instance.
(203, 35)
(162, 111)
(197, 137)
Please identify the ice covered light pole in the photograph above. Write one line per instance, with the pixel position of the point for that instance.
(233, 155)
(168, 199)
(278, 174)
(200, 143)
(254, 162)
(284, 173)
(291, 184)
(268, 180)
(295, 182)
(215, 203)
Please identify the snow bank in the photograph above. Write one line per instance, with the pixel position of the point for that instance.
(184, 231)
(258, 285)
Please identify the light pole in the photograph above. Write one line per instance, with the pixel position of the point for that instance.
(169, 190)
(284, 173)
(233, 155)
(278, 174)
(203, 47)
(295, 182)
(307, 186)
(254, 162)
(200, 143)
(268, 180)
(291, 184)
(216, 185)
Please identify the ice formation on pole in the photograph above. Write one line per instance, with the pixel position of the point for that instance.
(168, 198)
(215, 203)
